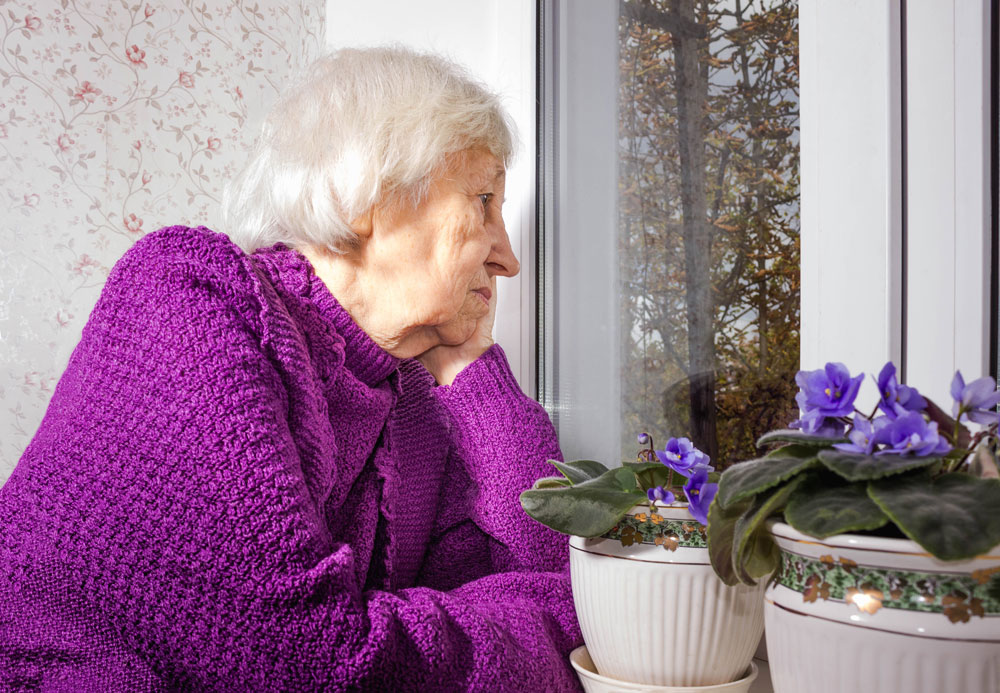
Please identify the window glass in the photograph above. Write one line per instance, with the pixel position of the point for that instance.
(706, 238)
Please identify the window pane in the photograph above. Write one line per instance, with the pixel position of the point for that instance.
(706, 244)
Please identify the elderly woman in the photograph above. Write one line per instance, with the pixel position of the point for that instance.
(299, 469)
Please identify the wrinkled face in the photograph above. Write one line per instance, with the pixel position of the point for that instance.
(438, 260)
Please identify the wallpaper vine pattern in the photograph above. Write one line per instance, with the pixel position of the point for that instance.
(116, 119)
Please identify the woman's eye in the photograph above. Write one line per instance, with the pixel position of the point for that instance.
(485, 199)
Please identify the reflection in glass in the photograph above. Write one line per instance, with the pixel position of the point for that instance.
(708, 220)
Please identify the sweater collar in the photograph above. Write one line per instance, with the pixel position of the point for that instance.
(366, 360)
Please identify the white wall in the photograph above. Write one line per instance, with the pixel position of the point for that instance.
(495, 39)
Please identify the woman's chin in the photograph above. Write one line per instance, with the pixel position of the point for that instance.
(456, 333)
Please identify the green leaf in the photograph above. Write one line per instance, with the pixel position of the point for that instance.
(587, 509)
(954, 517)
(652, 473)
(625, 478)
(721, 534)
(551, 482)
(791, 435)
(824, 505)
(855, 466)
(755, 554)
(638, 467)
(579, 471)
(761, 557)
(749, 478)
(993, 588)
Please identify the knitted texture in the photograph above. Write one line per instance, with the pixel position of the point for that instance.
(235, 489)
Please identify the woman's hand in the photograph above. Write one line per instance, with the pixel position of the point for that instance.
(445, 362)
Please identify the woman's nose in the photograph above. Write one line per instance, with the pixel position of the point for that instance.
(501, 260)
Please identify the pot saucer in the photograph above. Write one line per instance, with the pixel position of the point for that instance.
(596, 683)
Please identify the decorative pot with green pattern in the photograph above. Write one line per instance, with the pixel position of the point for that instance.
(883, 569)
(863, 613)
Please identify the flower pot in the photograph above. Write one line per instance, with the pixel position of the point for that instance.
(596, 683)
(652, 610)
(872, 614)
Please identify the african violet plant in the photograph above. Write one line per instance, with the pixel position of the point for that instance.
(589, 499)
(905, 469)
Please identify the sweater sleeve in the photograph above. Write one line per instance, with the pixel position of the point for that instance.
(179, 510)
(501, 441)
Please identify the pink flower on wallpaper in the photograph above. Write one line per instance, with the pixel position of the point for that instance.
(73, 142)
(136, 55)
(84, 267)
(133, 223)
(86, 92)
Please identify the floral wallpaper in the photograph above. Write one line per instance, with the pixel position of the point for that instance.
(116, 118)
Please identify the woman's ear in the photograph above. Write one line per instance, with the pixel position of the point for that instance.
(362, 225)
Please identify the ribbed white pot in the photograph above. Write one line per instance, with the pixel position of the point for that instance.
(652, 610)
(871, 615)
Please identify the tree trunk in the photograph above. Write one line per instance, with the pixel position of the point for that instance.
(692, 95)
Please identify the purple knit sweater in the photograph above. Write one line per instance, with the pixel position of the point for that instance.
(235, 489)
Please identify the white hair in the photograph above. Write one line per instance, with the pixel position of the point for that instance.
(362, 127)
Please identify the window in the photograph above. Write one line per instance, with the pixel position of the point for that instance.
(670, 217)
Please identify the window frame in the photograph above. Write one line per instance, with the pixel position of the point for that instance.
(887, 275)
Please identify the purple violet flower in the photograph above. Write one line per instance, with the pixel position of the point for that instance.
(895, 399)
(976, 401)
(826, 393)
(700, 494)
(862, 436)
(682, 456)
(910, 434)
(827, 427)
(658, 493)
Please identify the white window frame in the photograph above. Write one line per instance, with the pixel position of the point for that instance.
(857, 306)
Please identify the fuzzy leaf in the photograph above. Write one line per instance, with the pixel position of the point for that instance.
(791, 435)
(551, 482)
(993, 588)
(721, 534)
(653, 473)
(749, 478)
(754, 552)
(823, 506)
(587, 509)
(761, 557)
(854, 466)
(954, 517)
(578, 471)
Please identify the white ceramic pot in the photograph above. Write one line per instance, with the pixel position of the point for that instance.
(596, 683)
(652, 610)
(871, 615)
